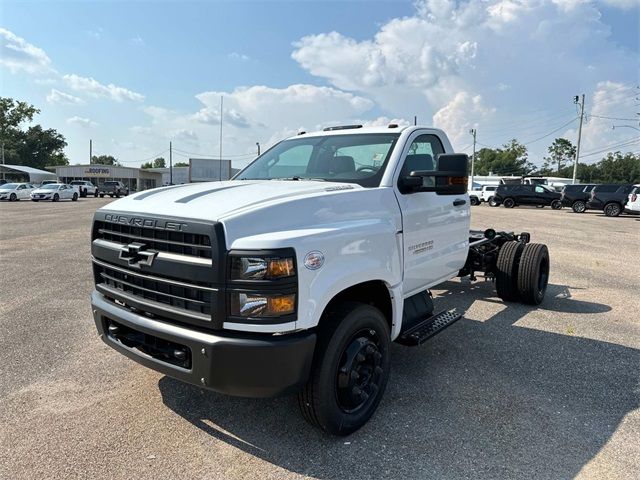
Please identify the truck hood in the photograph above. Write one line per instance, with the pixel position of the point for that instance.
(214, 201)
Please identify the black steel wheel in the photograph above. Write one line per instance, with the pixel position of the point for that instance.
(533, 274)
(612, 209)
(507, 271)
(350, 369)
(579, 206)
(509, 203)
(556, 204)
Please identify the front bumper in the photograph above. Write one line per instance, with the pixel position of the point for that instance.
(247, 365)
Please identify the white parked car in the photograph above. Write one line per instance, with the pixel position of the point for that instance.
(15, 191)
(55, 192)
(487, 193)
(633, 202)
(86, 188)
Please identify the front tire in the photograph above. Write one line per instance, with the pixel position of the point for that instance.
(74, 198)
(56, 198)
(13, 197)
(509, 203)
(350, 369)
(612, 209)
(95, 194)
(556, 205)
(579, 206)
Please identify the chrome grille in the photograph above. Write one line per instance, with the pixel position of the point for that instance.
(192, 244)
(180, 295)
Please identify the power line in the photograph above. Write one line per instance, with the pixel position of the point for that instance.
(552, 131)
(616, 118)
(610, 148)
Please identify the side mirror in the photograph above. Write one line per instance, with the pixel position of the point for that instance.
(449, 178)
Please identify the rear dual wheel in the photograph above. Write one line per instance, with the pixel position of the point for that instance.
(350, 369)
(522, 272)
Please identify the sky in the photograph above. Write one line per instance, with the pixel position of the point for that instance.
(134, 76)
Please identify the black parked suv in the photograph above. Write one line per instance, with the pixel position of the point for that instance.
(611, 199)
(577, 196)
(539, 195)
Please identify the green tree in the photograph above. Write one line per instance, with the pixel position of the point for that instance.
(510, 159)
(105, 160)
(35, 147)
(181, 164)
(157, 163)
(561, 153)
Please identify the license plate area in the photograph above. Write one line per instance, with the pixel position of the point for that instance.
(149, 345)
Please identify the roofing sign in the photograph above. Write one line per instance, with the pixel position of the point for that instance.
(97, 172)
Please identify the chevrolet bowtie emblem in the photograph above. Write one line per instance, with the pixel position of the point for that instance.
(137, 255)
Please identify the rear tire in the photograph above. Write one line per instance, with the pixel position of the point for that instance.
(509, 203)
(556, 205)
(533, 274)
(474, 201)
(102, 195)
(95, 194)
(579, 206)
(492, 202)
(350, 369)
(507, 271)
(612, 209)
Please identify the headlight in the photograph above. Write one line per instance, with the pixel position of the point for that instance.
(262, 304)
(256, 268)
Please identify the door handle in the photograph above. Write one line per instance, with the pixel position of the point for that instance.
(459, 202)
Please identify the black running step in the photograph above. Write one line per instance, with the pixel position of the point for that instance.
(429, 327)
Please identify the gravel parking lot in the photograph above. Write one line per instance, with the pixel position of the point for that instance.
(510, 391)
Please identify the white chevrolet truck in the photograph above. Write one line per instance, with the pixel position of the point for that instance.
(298, 274)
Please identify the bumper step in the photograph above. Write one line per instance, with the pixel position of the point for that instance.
(429, 327)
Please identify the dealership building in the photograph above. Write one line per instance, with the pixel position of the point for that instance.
(135, 178)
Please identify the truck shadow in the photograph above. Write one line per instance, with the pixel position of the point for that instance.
(483, 399)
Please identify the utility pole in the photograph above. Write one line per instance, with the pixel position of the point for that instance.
(90, 151)
(170, 164)
(3, 153)
(220, 165)
(258, 145)
(415, 120)
(576, 100)
(473, 158)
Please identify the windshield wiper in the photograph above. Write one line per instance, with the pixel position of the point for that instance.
(297, 178)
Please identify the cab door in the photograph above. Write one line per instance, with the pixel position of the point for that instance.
(435, 228)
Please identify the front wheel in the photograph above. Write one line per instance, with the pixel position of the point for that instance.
(56, 197)
(74, 198)
(493, 202)
(95, 194)
(474, 201)
(350, 369)
(579, 206)
(509, 203)
(13, 197)
(556, 205)
(612, 209)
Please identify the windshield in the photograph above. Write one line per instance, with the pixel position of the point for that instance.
(50, 186)
(340, 158)
(9, 186)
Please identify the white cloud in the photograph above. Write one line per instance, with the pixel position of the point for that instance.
(96, 34)
(82, 121)
(460, 115)
(56, 97)
(138, 40)
(514, 55)
(92, 87)
(16, 54)
(239, 56)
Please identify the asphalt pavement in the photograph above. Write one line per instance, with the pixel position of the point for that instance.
(510, 391)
